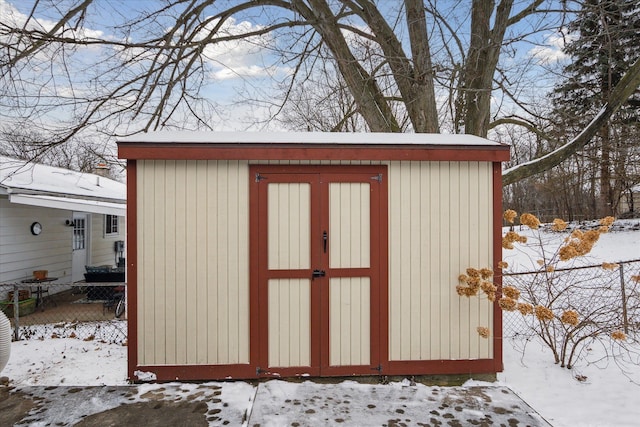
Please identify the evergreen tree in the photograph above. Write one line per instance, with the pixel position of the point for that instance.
(606, 43)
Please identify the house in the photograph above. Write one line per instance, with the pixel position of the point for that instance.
(57, 220)
(255, 255)
(630, 202)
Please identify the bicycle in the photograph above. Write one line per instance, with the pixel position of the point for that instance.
(121, 305)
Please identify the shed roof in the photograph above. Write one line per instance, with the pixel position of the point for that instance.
(310, 146)
(372, 138)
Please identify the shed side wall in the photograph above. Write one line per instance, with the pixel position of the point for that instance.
(193, 300)
(440, 213)
(193, 275)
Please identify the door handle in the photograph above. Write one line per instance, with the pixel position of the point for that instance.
(324, 241)
(318, 273)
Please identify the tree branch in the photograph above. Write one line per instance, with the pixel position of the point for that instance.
(620, 94)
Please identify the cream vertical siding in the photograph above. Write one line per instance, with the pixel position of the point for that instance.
(193, 262)
(289, 322)
(349, 321)
(440, 223)
(289, 226)
(349, 225)
(193, 266)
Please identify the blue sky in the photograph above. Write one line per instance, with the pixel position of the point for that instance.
(250, 67)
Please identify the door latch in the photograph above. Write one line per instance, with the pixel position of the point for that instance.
(325, 237)
(318, 273)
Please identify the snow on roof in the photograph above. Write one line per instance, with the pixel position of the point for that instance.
(370, 138)
(20, 176)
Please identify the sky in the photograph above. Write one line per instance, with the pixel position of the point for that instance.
(597, 392)
(236, 70)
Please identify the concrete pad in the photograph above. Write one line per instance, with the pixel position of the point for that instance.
(173, 404)
(280, 403)
(270, 403)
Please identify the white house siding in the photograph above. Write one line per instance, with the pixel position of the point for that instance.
(102, 252)
(21, 252)
(440, 223)
(193, 262)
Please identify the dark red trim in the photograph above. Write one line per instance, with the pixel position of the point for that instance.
(259, 331)
(132, 268)
(179, 151)
(166, 373)
(255, 329)
(319, 289)
(383, 274)
(497, 257)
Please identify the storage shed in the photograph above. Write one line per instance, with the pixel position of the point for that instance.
(310, 254)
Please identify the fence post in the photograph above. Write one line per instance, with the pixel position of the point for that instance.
(625, 320)
(16, 313)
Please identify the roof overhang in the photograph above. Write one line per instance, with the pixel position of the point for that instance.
(70, 203)
(310, 146)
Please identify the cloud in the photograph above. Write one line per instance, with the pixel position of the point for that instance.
(553, 49)
(243, 57)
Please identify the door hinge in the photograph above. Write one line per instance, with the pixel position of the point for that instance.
(260, 177)
(377, 177)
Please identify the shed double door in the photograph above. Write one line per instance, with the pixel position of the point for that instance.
(319, 252)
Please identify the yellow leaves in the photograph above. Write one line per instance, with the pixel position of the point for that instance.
(607, 221)
(510, 238)
(635, 279)
(580, 243)
(524, 308)
(510, 215)
(530, 221)
(618, 335)
(543, 313)
(502, 265)
(567, 252)
(483, 331)
(610, 266)
(559, 225)
(570, 317)
(474, 280)
(508, 304)
(511, 292)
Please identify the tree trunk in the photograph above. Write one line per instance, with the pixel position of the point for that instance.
(370, 100)
(484, 51)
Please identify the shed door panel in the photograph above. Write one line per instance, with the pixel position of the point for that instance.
(317, 284)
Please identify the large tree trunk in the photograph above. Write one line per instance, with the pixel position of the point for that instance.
(484, 51)
(363, 87)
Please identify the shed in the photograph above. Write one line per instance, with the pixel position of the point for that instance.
(310, 254)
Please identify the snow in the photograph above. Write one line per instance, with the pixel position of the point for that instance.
(19, 176)
(369, 138)
(596, 392)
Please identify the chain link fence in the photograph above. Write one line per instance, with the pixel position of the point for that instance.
(75, 310)
(613, 292)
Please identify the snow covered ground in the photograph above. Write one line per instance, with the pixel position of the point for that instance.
(596, 392)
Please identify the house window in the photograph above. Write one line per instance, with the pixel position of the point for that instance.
(79, 234)
(111, 224)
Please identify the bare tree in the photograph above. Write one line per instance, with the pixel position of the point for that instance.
(152, 68)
